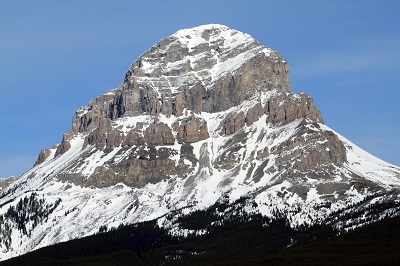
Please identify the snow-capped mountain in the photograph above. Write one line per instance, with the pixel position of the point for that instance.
(4, 182)
(204, 116)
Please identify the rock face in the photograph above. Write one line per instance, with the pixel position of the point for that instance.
(205, 116)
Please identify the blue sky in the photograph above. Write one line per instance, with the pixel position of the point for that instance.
(56, 56)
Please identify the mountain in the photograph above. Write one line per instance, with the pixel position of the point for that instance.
(4, 182)
(203, 120)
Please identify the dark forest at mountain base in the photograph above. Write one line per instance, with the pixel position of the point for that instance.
(255, 241)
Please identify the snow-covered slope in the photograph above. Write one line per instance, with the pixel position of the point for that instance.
(204, 116)
(4, 182)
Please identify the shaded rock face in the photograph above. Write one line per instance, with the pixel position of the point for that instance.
(144, 165)
(192, 130)
(168, 96)
(311, 150)
(285, 109)
(43, 155)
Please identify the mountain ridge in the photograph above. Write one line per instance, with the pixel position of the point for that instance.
(204, 116)
(6, 181)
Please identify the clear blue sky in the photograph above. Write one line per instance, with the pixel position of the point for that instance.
(55, 56)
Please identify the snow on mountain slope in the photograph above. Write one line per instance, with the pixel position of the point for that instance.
(5, 181)
(370, 167)
(204, 116)
(81, 208)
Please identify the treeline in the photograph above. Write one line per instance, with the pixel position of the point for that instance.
(231, 235)
(29, 212)
(228, 235)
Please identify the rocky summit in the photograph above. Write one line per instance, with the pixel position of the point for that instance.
(206, 116)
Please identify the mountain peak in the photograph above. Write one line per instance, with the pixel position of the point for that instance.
(212, 33)
(198, 30)
(203, 55)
